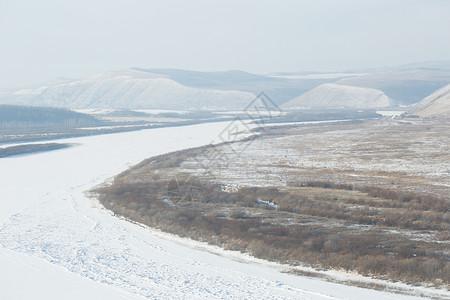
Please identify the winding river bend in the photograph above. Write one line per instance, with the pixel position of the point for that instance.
(56, 242)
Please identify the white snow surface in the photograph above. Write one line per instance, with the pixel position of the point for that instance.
(129, 89)
(331, 95)
(56, 243)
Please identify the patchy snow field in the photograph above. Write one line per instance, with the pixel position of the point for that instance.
(57, 243)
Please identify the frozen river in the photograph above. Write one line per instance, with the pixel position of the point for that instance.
(55, 243)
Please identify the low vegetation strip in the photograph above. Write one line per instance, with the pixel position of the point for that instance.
(30, 148)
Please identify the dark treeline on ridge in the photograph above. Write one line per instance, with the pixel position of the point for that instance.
(14, 116)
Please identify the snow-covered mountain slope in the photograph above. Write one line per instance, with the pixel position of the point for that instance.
(437, 104)
(332, 95)
(279, 88)
(229, 90)
(130, 89)
(50, 229)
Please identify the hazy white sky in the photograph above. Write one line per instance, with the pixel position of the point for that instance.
(46, 39)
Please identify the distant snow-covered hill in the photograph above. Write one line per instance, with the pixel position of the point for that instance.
(437, 104)
(130, 89)
(332, 95)
(280, 88)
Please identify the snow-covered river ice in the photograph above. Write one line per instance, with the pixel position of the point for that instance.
(57, 243)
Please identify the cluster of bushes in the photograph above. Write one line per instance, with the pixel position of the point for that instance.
(374, 206)
(418, 201)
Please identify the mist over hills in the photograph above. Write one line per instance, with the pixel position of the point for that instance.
(404, 87)
(280, 89)
(423, 65)
(174, 89)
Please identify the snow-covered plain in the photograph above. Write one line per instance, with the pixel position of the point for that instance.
(55, 242)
